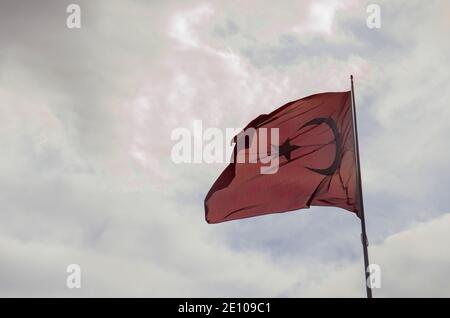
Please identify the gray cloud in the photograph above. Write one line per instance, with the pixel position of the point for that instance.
(85, 122)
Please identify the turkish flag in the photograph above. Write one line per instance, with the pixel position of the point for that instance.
(313, 162)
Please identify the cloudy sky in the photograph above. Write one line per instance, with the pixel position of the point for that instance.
(86, 117)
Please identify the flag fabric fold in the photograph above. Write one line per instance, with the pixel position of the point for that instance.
(315, 158)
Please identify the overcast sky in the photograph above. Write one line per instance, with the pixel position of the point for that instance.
(86, 117)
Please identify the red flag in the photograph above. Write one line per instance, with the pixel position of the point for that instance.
(316, 162)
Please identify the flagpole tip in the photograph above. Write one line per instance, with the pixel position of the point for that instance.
(351, 77)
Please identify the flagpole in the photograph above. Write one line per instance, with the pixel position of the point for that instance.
(364, 240)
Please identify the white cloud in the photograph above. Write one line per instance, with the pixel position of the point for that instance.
(413, 264)
(320, 19)
(85, 124)
(182, 24)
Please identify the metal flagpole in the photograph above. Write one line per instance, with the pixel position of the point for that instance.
(364, 240)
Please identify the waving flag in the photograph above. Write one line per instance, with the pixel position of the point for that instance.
(315, 159)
